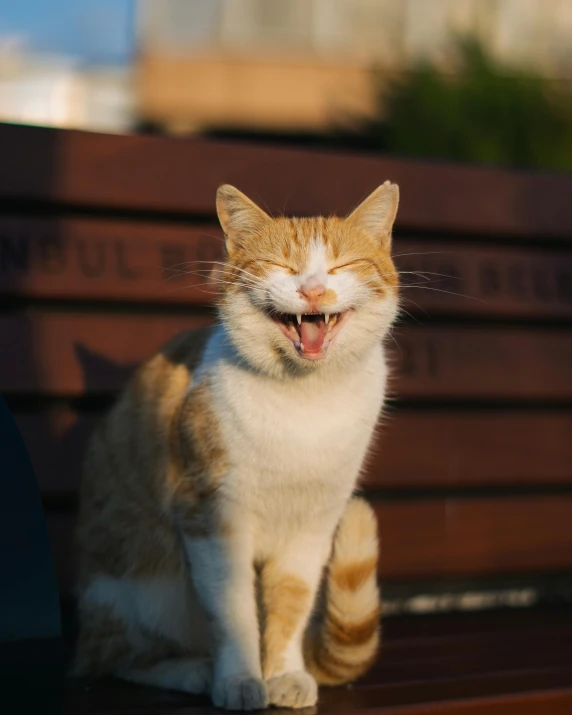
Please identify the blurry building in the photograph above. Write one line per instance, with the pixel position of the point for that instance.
(304, 65)
(56, 90)
(271, 65)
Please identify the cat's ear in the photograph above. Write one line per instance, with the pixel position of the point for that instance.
(376, 214)
(239, 217)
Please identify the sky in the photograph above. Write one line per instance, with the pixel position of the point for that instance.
(93, 30)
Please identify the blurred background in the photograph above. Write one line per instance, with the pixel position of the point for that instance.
(488, 80)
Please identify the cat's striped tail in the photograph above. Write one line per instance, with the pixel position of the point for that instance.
(343, 640)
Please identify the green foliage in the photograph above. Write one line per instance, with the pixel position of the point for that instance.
(480, 115)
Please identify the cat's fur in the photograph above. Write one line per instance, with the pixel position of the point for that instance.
(218, 492)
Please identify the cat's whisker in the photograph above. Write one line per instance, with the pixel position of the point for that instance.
(215, 279)
(214, 284)
(198, 287)
(212, 264)
(429, 273)
(410, 300)
(236, 269)
(190, 263)
(187, 273)
(421, 253)
(212, 235)
(390, 334)
(402, 311)
(448, 292)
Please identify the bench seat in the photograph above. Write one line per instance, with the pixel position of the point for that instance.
(495, 663)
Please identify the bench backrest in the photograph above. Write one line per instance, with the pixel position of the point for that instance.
(473, 472)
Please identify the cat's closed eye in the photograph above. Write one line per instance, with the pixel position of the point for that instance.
(283, 266)
(348, 264)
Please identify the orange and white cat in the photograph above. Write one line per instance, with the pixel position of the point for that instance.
(221, 549)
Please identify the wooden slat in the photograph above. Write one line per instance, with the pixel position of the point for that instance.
(482, 656)
(153, 173)
(415, 450)
(464, 448)
(455, 536)
(506, 672)
(89, 258)
(518, 694)
(509, 694)
(464, 279)
(483, 363)
(107, 260)
(437, 538)
(454, 645)
(77, 353)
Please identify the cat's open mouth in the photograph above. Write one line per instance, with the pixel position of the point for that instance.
(310, 333)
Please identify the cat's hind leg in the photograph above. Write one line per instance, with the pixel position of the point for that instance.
(146, 630)
(190, 675)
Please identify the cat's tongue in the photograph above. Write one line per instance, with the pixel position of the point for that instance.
(312, 334)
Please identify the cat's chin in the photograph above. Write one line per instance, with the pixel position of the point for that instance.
(311, 334)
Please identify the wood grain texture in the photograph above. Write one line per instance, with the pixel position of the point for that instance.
(168, 263)
(434, 538)
(463, 448)
(73, 353)
(518, 694)
(455, 536)
(482, 363)
(467, 698)
(465, 279)
(98, 259)
(415, 449)
(470, 663)
(181, 176)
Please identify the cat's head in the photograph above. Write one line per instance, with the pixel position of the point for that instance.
(299, 294)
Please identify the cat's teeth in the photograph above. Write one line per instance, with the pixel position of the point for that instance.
(299, 318)
(326, 318)
(302, 347)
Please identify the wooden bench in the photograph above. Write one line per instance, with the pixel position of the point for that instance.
(473, 472)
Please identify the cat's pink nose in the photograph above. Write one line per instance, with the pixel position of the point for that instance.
(313, 289)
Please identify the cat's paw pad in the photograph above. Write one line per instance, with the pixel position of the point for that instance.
(240, 692)
(293, 690)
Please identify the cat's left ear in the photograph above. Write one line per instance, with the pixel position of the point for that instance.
(240, 218)
(376, 214)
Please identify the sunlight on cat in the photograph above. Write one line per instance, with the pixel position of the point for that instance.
(221, 549)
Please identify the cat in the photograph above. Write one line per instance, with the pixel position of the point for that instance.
(221, 547)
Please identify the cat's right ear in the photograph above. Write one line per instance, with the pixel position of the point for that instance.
(240, 218)
(376, 214)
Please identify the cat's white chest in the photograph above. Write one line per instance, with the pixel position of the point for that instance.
(296, 448)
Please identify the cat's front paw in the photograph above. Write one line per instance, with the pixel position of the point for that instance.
(240, 692)
(293, 690)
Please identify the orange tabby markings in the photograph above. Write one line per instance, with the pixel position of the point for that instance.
(236, 446)
(353, 576)
(347, 634)
(344, 638)
(285, 600)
